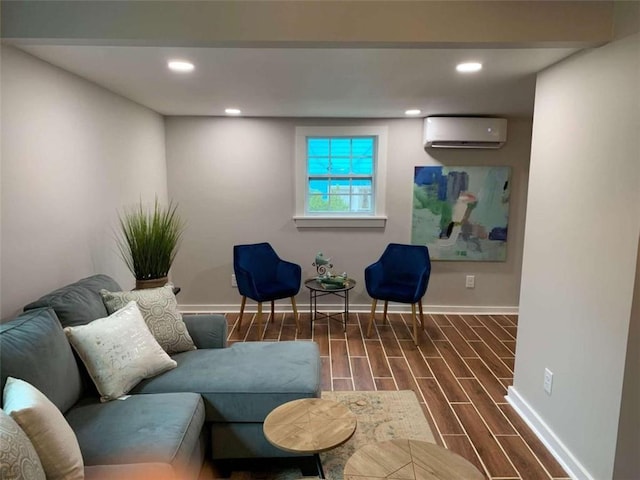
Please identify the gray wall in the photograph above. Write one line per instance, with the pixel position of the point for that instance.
(627, 464)
(72, 155)
(581, 243)
(233, 179)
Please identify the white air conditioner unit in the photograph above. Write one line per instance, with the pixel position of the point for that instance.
(464, 132)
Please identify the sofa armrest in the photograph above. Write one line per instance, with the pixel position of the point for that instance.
(207, 331)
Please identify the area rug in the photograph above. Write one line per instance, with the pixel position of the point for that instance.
(381, 416)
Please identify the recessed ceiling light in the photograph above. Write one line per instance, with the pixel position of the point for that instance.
(232, 111)
(180, 66)
(413, 111)
(469, 67)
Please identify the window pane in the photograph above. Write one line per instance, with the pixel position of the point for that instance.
(318, 165)
(361, 203)
(318, 186)
(340, 186)
(361, 186)
(362, 147)
(340, 166)
(339, 203)
(318, 147)
(340, 147)
(363, 165)
(318, 203)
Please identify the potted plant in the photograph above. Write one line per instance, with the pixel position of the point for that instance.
(148, 242)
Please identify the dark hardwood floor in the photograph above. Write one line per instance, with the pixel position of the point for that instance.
(460, 373)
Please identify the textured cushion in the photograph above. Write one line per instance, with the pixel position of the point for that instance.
(119, 351)
(244, 382)
(49, 432)
(33, 347)
(159, 309)
(78, 303)
(18, 458)
(162, 428)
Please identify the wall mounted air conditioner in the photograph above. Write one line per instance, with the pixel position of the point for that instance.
(464, 132)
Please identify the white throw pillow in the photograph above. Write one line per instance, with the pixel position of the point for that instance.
(159, 309)
(18, 458)
(51, 436)
(119, 351)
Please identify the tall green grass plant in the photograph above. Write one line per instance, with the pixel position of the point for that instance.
(149, 239)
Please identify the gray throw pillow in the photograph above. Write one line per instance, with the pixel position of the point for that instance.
(159, 309)
(119, 351)
(18, 458)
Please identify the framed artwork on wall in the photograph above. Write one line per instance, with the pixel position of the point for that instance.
(461, 213)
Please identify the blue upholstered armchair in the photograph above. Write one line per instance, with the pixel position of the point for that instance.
(401, 275)
(263, 276)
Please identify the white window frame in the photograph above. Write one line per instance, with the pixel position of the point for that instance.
(375, 220)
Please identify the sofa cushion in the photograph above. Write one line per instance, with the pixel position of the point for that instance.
(244, 382)
(119, 351)
(34, 348)
(50, 434)
(18, 458)
(163, 428)
(78, 303)
(159, 309)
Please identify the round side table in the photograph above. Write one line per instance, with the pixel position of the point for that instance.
(409, 460)
(309, 425)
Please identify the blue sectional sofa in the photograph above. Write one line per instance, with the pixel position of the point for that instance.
(214, 402)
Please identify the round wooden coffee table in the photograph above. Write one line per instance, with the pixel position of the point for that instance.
(309, 426)
(408, 460)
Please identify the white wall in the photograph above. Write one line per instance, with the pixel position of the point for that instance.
(72, 155)
(581, 240)
(233, 180)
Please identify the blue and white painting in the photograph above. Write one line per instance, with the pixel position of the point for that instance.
(461, 213)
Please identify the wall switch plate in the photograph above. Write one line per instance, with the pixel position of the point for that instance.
(470, 281)
(548, 381)
(233, 280)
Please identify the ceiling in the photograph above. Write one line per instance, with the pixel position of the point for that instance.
(310, 58)
(312, 82)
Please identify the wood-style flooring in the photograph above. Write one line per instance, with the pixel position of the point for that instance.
(459, 372)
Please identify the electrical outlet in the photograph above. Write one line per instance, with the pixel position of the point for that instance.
(471, 281)
(548, 381)
(233, 280)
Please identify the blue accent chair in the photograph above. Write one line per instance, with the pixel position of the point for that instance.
(401, 275)
(264, 277)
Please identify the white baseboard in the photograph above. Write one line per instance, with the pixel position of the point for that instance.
(359, 308)
(559, 450)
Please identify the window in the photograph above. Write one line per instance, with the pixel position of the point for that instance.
(340, 176)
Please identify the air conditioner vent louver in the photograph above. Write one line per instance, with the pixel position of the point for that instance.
(464, 132)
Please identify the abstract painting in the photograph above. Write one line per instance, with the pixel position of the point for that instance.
(461, 213)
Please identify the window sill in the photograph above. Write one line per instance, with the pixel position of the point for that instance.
(340, 222)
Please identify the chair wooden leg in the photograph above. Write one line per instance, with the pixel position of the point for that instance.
(273, 311)
(415, 323)
(372, 316)
(244, 300)
(421, 315)
(295, 313)
(259, 314)
(384, 314)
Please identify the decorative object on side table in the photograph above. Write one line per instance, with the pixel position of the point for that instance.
(322, 264)
(148, 242)
(333, 282)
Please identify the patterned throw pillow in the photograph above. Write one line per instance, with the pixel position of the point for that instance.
(18, 458)
(119, 351)
(160, 311)
(52, 438)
